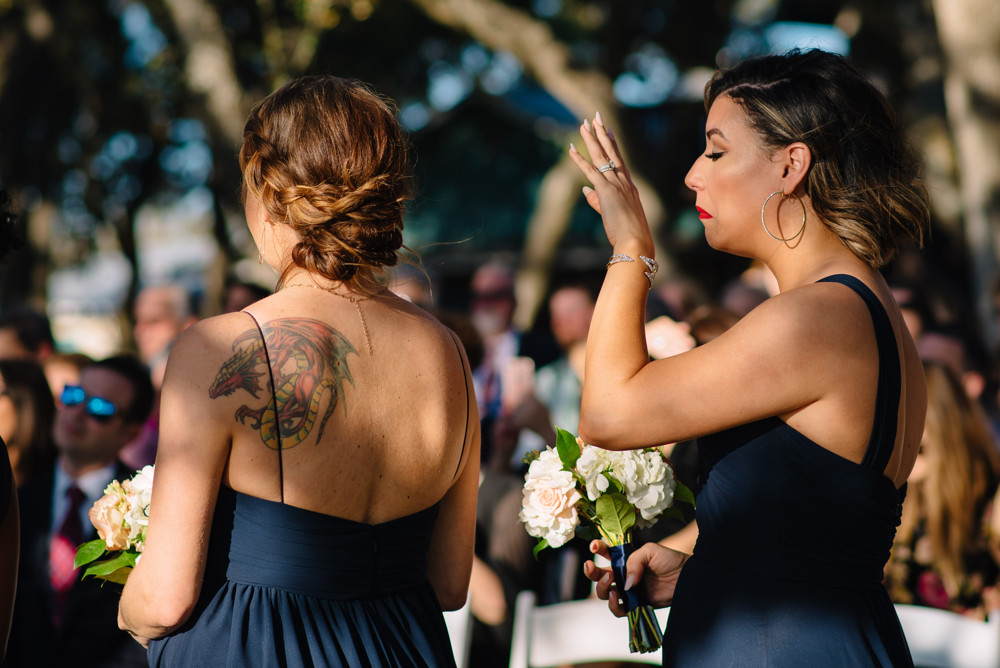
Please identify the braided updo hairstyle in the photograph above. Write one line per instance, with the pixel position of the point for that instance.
(327, 157)
(863, 183)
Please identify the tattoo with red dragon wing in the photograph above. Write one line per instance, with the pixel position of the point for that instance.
(308, 359)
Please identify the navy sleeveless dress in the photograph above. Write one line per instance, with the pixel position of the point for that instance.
(286, 586)
(787, 570)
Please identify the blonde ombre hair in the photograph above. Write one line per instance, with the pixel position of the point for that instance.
(863, 182)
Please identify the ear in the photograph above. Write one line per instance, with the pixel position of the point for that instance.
(796, 159)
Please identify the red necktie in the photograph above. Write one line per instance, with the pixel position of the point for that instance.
(62, 551)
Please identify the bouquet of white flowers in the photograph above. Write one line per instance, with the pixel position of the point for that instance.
(613, 492)
(121, 517)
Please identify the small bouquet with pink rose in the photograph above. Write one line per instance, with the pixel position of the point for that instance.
(120, 517)
(579, 486)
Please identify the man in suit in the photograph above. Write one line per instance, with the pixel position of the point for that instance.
(59, 619)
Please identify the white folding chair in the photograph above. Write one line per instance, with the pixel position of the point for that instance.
(572, 632)
(459, 623)
(948, 639)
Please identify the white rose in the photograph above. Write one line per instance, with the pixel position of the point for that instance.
(550, 496)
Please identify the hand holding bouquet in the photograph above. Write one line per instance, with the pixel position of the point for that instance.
(121, 517)
(613, 492)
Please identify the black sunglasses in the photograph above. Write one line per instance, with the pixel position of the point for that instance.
(98, 408)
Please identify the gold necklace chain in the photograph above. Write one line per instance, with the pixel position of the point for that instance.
(351, 298)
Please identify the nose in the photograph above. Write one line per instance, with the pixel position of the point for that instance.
(694, 179)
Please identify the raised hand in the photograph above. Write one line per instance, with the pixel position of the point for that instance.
(614, 195)
(653, 567)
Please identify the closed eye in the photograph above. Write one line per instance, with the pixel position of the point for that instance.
(714, 156)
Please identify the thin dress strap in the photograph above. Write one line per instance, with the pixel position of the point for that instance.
(887, 396)
(465, 376)
(274, 404)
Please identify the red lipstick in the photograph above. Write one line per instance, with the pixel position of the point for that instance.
(702, 214)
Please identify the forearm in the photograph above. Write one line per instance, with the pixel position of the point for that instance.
(616, 344)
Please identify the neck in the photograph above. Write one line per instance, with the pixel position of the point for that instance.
(303, 277)
(820, 254)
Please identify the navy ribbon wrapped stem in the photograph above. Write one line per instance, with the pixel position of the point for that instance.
(619, 556)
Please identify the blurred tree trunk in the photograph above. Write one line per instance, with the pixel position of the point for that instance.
(210, 75)
(209, 70)
(548, 60)
(969, 31)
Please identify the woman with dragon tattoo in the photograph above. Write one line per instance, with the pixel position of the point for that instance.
(318, 461)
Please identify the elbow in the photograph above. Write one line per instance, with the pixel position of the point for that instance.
(452, 593)
(156, 618)
(453, 600)
(599, 428)
(171, 616)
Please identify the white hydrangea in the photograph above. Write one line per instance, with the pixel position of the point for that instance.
(592, 465)
(550, 496)
(140, 492)
(648, 481)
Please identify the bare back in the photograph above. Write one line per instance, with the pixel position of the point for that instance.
(367, 434)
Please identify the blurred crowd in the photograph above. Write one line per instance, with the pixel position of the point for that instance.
(72, 423)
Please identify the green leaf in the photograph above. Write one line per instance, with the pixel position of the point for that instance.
(683, 493)
(672, 513)
(539, 546)
(567, 447)
(88, 552)
(118, 577)
(615, 514)
(106, 567)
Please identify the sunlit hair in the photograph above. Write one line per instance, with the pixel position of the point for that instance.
(30, 447)
(327, 156)
(962, 469)
(863, 182)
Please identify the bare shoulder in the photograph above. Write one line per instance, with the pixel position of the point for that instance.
(210, 337)
(806, 320)
(425, 332)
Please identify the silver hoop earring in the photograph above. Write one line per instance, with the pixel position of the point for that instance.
(797, 199)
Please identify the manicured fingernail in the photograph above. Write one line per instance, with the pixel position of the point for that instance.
(606, 579)
(572, 148)
(598, 120)
(586, 124)
(586, 191)
(629, 581)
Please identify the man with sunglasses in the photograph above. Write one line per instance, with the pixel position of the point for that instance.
(60, 619)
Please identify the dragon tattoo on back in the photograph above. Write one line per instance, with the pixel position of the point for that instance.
(308, 360)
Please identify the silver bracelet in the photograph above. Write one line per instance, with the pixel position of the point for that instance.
(652, 265)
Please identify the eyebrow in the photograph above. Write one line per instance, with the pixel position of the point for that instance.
(713, 132)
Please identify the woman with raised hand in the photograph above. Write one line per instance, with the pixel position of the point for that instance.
(809, 410)
(315, 484)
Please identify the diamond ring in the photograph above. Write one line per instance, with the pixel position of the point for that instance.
(608, 167)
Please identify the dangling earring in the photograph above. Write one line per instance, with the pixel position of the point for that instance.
(260, 247)
(783, 195)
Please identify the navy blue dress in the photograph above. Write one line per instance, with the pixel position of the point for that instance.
(787, 570)
(286, 586)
